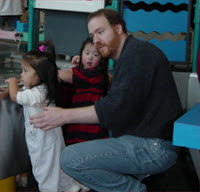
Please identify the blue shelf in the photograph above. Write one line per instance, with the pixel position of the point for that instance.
(186, 131)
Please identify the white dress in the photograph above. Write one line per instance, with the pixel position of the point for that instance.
(44, 147)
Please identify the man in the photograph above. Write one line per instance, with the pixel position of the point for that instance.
(139, 109)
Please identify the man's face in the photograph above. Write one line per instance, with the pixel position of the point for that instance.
(105, 37)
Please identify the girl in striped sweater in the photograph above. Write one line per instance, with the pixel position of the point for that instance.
(91, 80)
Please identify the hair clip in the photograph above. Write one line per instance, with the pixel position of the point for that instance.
(42, 48)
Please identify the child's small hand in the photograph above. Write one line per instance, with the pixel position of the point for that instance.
(2, 89)
(75, 60)
(4, 93)
(12, 87)
(11, 80)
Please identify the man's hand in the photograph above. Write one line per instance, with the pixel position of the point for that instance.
(52, 117)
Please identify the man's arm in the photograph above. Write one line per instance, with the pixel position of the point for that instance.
(53, 117)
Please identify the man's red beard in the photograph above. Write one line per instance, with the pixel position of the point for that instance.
(109, 49)
(105, 52)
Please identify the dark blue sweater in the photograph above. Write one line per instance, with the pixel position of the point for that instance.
(143, 100)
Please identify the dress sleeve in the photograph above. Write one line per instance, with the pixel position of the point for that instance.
(30, 97)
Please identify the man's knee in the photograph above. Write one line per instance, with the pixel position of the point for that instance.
(70, 158)
(66, 158)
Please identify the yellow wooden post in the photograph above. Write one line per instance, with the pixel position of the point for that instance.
(8, 184)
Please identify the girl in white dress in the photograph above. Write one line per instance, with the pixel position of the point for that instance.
(39, 76)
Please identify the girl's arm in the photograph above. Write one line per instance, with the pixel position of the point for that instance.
(66, 76)
(13, 88)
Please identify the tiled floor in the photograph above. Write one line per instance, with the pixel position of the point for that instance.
(181, 177)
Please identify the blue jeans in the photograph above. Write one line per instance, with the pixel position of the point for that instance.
(116, 164)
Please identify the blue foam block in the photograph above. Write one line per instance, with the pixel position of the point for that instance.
(186, 131)
(21, 27)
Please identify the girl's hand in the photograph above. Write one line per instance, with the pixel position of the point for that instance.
(11, 80)
(2, 89)
(4, 93)
(13, 88)
(76, 60)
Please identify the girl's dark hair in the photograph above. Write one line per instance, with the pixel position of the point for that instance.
(44, 63)
(102, 67)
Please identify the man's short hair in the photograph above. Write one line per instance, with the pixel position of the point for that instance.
(112, 16)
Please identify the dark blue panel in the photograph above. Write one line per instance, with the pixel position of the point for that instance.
(162, 2)
(156, 21)
(175, 51)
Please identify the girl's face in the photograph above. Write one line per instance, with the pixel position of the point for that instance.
(28, 75)
(90, 56)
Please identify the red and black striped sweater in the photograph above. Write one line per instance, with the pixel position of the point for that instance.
(89, 87)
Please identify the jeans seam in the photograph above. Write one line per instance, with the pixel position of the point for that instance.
(94, 158)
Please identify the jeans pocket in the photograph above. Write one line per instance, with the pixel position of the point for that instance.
(160, 152)
(170, 151)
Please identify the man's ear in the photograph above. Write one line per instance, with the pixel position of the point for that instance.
(118, 28)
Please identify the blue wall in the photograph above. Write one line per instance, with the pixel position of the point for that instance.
(160, 16)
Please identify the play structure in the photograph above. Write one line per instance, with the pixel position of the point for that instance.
(172, 25)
